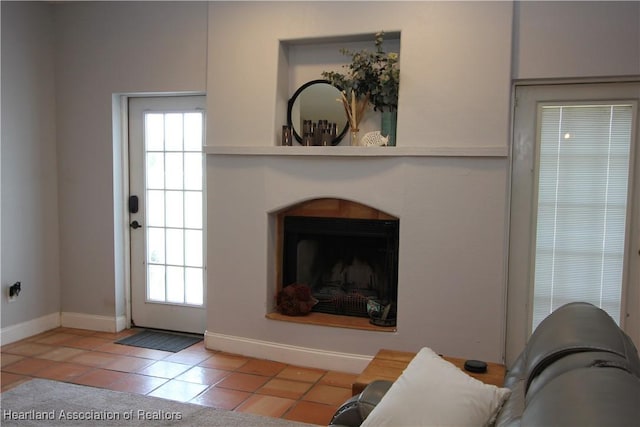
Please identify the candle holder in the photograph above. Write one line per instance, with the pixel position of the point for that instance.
(287, 136)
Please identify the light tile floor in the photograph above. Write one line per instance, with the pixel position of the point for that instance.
(195, 375)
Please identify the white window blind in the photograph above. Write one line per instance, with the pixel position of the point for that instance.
(584, 153)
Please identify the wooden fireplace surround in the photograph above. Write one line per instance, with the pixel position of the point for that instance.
(325, 208)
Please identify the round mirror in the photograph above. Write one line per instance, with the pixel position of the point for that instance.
(317, 102)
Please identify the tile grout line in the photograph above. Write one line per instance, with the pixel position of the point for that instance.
(93, 347)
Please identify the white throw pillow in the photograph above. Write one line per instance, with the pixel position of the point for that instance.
(434, 392)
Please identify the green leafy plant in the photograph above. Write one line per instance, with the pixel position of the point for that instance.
(375, 75)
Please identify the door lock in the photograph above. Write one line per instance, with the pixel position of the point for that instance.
(133, 204)
(135, 225)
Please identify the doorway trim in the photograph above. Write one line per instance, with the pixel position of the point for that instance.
(122, 235)
(630, 296)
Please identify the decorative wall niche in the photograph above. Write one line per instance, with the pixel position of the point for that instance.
(303, 60)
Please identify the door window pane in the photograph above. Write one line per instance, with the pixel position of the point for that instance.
(155, 171)
(584, 156)
(193, 132)
(155, 208)
(155, 245)
(194, 286)
(193, 248)
(193, 171)
(174, 207)
(156, 283)
(193, 209)
(173, 173)
(175, 285)
(154, 136)
(173, 132)
(175, 246)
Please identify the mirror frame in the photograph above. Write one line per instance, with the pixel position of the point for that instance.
(295, 134)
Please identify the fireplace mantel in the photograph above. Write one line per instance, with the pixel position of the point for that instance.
(348, 151)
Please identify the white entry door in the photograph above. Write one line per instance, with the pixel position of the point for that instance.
(575, 205)
(167, 217)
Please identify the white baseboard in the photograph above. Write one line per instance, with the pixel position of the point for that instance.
(93, 322)
(29, 328)
(300, 356)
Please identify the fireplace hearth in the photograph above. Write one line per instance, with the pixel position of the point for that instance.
(351, 265)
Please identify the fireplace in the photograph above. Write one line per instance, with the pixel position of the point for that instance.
(350, 264)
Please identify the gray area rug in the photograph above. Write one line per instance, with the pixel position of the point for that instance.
(51, 403)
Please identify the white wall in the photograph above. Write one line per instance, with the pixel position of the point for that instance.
(451, 255)
(455, 62)
(105, 48)
(456, 78)
(576, 39)
(29, 167)
(451, 54)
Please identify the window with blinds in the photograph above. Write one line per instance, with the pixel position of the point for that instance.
(582, 193)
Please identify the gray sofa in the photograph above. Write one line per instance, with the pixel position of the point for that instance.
(577, 369)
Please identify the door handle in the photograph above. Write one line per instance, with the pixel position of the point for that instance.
(135, 225)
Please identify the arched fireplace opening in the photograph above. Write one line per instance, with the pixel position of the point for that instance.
(347, 253)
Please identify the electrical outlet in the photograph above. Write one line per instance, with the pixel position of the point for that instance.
(13, 291)
(11, 298)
